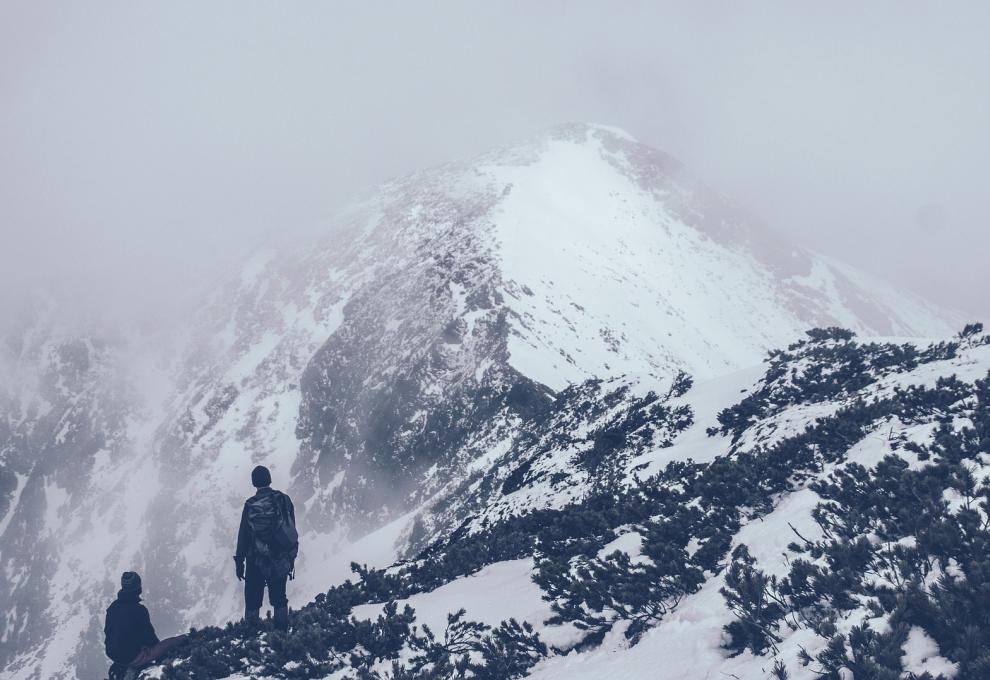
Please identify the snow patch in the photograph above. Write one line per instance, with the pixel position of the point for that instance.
(921, 655)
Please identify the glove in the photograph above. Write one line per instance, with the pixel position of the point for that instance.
(239, 568)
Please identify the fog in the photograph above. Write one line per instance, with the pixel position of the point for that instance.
(144, 147)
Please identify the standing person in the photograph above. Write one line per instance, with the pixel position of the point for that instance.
(131, 641)
(267, 545)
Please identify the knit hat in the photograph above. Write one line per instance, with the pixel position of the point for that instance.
(260, 476)
(130, 582)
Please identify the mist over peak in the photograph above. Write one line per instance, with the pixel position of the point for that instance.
(146, 145)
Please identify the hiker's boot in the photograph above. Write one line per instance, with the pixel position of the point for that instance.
(282, 619)
(252, 617)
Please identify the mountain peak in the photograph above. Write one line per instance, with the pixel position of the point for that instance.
(583, 131)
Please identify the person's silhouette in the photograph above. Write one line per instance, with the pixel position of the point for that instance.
(267, 545)
(131, 642)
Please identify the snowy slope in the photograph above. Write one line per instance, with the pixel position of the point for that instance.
(615, 259)
(690, 643)
(382, 365)
(864, 537)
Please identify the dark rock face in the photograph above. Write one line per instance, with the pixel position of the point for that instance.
(418, 367)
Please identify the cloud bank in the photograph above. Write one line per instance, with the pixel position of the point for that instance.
(147, 147)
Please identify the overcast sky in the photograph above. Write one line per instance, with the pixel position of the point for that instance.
(143, 146)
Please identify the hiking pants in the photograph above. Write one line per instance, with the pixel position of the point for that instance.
(148, 655)
(255, 583)
(155, 652)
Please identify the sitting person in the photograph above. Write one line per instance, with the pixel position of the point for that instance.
(131, 642)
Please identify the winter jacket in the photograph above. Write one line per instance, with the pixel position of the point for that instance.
(128, 628)
(245, 537)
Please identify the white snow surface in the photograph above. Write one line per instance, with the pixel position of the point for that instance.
(494, 594)
(597, 255)
(706, 399)
(921, 656)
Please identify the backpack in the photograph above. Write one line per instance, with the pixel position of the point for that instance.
(271, 524)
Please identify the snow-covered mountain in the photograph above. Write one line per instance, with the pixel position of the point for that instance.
(406, 376)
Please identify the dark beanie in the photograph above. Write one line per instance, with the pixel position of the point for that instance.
(130, 582)
(260, 476)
